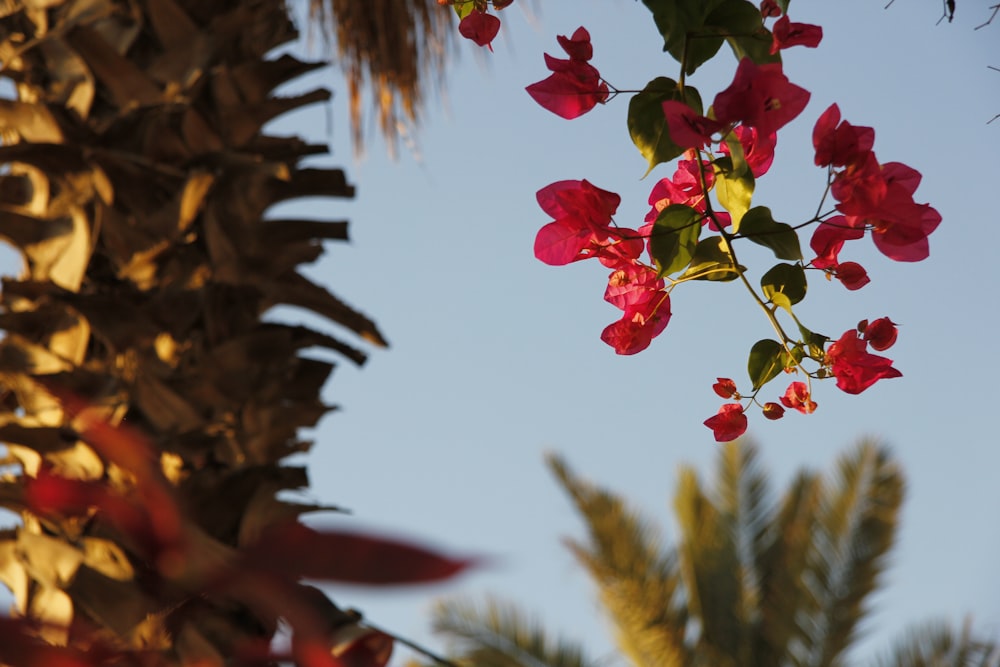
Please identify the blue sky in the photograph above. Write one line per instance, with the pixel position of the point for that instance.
(496, 358)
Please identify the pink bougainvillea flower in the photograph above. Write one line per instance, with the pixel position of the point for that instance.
(881, 333)
(621, 249)
(758, 149)
(852, 275)
(900, 226)
(687, 129)
(854, 366)
(772, 411)
(582, 213)
(725, 388)
(797, 398)
(563, 241)
(575, 86)
(769, 9)
(788, 34)
(760, 96)
(632, 286)
(639, 325)
(828, 240)
(839, 143)
(578, 199)
(684, 187)
(860, 187)
(880, 197)
(728, 423)
(902, 235)
(480, 27)
(577, 47)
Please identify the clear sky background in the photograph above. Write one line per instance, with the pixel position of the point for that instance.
(496, 358)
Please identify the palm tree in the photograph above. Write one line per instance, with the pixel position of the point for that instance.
(396, 47)
(135, 179)
(750, 582)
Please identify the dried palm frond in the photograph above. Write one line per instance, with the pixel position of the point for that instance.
(395, 48)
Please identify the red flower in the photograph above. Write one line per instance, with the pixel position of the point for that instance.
(788, 34)
(683, 188)
(860, 187)
(773, 411)
(725, 388)
(758, 148)
(687, 129)
(480, 27)
(880, 334)
(769, 9)
(729, 423)
(797, 397)
(840, 144)
(632, 286)
(852, 275)
(760, 96)
(582, 214)
(880, 197)
(639, 325)
(901, 226)
(575, 86)
(828, 239)
(855, 368)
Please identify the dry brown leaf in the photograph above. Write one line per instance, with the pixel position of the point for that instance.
(164, 408)
(50, 561)
(106, 557)
(32, 122)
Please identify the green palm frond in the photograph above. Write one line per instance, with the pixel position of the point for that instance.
(638, 579)
(856, 530)
(938, 645)
(722, 532)
(496, 634)
(785, 597)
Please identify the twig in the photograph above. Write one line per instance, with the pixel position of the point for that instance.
(427, 653)
(948, 12)
(996, 10)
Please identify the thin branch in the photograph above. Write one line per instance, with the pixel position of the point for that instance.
(427, 653)
(996, 10)
(948, 12)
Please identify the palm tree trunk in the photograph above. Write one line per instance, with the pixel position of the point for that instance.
(135, 184)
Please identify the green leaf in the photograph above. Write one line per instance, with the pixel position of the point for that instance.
(693, 30)
(784, 285)
(734, 188)
(711, 261)
(742, 24)
(815, 341)
(676, 20)
(674, 237)
(767, 359)
(758, 226)
(463, 9)
(647, 125)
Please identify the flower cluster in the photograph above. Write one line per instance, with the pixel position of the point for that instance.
(575, 86)
(697, 214)
(583, 228)
(872, 197)
(846, 359)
